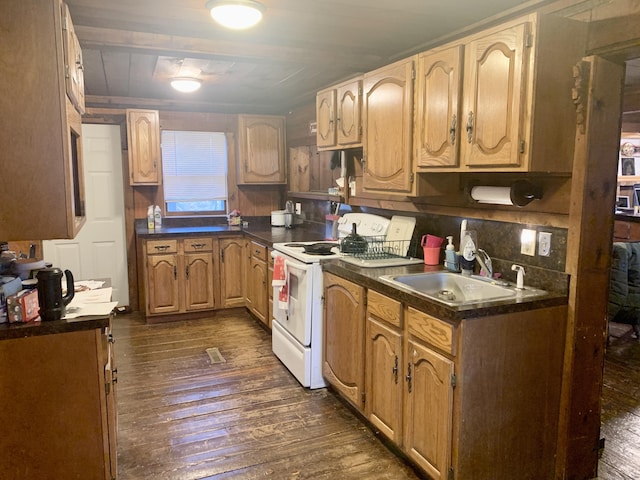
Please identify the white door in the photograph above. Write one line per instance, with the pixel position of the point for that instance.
(99, 249)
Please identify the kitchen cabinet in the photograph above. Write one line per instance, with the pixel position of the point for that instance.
(338, 116)
(179, 275)
(257, 294)
(451, 394)
(498, 99)
(74, 67)
(384, 365)
(261, 152)
(438, 86)
(232, 272)
(344, 330)
(40, 129)
(388, 129)
(59, 418)
(429, 394)
(143, 134)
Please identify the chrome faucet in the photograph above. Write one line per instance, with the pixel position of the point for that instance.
(485, 261)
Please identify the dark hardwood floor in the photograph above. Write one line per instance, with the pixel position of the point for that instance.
(620, 458)
(183, 418)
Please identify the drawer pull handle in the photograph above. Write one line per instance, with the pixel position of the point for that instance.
(198, 245)
(162, 248)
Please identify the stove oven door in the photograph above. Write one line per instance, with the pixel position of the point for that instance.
(295, 312)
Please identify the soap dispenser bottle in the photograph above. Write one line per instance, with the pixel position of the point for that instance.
(451, 257)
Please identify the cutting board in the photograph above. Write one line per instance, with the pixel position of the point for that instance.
(400, 231)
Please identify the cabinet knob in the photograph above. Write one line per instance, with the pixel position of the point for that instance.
(408, 377)
(114, 375)
(452, 129)
(395, 370)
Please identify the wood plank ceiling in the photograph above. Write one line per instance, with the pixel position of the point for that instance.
(132, 48)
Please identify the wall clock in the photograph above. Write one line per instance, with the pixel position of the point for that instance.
(627, 149)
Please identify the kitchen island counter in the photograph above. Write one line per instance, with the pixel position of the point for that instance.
(37, 328)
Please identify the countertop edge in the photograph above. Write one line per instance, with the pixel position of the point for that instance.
(38, 328)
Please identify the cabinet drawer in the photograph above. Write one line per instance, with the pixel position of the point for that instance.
(385, 308)
(431, 330)
(162, 246)
(258, 251)
(198, 244)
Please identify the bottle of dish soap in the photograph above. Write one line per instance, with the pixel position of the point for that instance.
(150, 219)
(157, 217)
(451, 257)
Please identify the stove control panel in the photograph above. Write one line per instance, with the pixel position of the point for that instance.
(367, 224)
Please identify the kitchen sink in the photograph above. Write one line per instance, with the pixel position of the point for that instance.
(454, 289)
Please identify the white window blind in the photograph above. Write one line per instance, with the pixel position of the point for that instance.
(194, 170)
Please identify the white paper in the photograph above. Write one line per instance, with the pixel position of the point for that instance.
(495, 195)
(83, 310)
(100, 295)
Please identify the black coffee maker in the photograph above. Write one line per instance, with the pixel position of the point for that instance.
(50, 298)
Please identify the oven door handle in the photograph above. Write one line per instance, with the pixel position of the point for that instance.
(302, 267)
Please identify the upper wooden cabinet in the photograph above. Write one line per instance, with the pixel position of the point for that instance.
(388, 129)
(74, 68)
(143, 133)
(338, 116)
(438, 84)
(40, 129)
(514, 112)
(261, 153)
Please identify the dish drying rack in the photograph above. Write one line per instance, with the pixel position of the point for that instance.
(379, 248)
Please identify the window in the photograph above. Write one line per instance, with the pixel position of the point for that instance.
(194, 172)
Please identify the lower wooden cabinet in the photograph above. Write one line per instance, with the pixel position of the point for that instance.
(180, 275)
(58, 416)
(232, 274)
(344, 327)
(384, 365)
(257, 294)
(475, 398)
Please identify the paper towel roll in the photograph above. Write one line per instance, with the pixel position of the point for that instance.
(495, 195)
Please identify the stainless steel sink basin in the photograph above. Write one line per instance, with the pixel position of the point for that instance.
(455, 289)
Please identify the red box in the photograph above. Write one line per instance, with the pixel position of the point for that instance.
(23, 306)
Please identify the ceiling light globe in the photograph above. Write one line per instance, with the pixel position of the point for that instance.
(236, 14)
(186, 85)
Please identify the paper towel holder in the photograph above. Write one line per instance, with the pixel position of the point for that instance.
(521, 193)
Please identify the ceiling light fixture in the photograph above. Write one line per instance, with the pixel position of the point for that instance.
(186, 84)
(236, 14)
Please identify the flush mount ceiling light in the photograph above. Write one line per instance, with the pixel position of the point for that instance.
(186, 84)
(236, 14)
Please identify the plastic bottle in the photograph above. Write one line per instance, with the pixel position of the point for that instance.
(150, 219)
(451, 257)
(157, 217)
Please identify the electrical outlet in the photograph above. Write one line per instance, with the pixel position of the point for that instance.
(544, 244)
(528, 242)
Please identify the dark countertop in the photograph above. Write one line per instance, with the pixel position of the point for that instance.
(627, 217)
(369, 278)
(258, 229)
(32, 329)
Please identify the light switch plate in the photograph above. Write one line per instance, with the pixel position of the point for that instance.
(528, 242)
(544, 244)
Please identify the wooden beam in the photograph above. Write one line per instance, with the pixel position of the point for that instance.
(593, 192)
(177, 46)
(615, 37)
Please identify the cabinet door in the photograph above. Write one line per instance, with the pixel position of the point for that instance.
(437, 133)
(428, 409)
(143, 131)
(232, 272)
(198, 272)
(494, 98)
(111, 381)
(258, 289)
(388, 129)
(343, 365)
(348, 130)
(384, 378)
(74, 69)
(325, 118)
(262, 155)
(162, 283)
